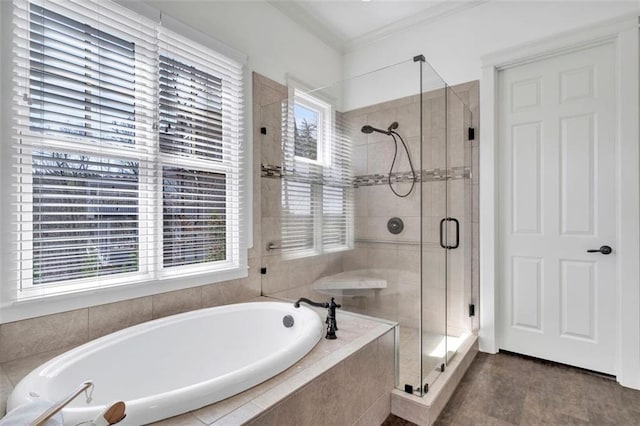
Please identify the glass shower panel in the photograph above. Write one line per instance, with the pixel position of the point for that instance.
(433, 217)
(389, 262)
(380, 99)
(458, 231)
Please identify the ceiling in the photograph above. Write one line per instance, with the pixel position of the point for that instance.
(346, 24)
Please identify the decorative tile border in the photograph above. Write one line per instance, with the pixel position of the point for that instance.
(269, 170)
(434, 175)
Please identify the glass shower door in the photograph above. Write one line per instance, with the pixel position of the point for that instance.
(458, 231)
(434, 205)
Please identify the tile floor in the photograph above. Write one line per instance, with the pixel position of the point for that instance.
(506, 389)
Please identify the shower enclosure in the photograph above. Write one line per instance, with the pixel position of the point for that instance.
(332, 226)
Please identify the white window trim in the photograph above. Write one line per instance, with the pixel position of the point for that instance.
(299, 93)
(12, 308)
(325, 126)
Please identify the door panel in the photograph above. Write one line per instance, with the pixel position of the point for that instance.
(557, 200)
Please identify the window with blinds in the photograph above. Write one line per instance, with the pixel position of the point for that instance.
(317, 186)
(128, 150)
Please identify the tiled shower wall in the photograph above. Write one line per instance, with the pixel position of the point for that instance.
(398, 260)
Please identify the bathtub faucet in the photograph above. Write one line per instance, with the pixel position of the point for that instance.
(332, 325)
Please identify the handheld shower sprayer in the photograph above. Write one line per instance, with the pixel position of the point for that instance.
(370, 129)
(391, 131)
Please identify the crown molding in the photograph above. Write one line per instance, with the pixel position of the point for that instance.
(441, 10)
(297, 12)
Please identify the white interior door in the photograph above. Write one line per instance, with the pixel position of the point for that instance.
(557, 159)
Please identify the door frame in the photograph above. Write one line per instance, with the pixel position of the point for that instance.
(623, 33)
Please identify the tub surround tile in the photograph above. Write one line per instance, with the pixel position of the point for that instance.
(339, 394)
(241, 415)
(105, 319)
(228, 292)
(5, 389)
(187, 419)
(17, 369)
(36, 335)
(376, 413)
(176, 302)
(356, 332)
(322, 371)
(214, 412)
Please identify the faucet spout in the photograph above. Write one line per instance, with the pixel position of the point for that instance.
(332, 325)
(310, 302)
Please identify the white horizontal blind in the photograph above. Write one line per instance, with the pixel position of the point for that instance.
(100, 186)
(337, 191)
(317, 196)
(201, 153)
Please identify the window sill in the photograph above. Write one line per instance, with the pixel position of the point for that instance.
(56, 303)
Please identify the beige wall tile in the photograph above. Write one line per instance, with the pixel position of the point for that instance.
(105, 319)
(17, 369)
(377, 413)
(381, 203)
(175, 302)
(29, 337)
(5, 389)
(382, 258)
(381, 119)
(271, 94)
(275, 280)
(360, 201)
(271, 233)
(271, 148)
(409, 120)
(379, 156)
(359, 382)
(354, 259)
(360, 160)
(230, 292)
(355, 123)
(271, 202)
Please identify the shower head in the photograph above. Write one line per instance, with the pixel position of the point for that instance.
(392, 126)
(369, 129)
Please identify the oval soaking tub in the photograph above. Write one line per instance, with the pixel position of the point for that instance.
(176, 364)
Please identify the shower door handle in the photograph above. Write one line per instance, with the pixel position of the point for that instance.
(454, 220)
(457, 223)
(442, 234)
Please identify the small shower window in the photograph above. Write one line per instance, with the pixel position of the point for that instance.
(317, 195)
(311, 121)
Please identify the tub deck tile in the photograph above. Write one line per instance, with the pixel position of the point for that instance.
(187, 419)
(239, 416)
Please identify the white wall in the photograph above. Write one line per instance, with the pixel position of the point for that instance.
(455, 44)
(274, 43)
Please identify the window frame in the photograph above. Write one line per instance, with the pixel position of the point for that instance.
(326, 138)
(17, 300)
(324, 129)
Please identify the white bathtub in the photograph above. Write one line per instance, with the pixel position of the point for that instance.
(176, 364)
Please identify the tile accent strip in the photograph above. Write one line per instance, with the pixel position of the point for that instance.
(434, 175)
(269, 170)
